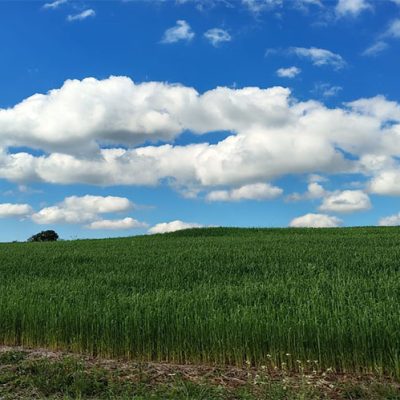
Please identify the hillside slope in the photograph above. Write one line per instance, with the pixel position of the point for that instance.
(323, 296)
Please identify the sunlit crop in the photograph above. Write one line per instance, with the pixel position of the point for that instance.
(284, 297)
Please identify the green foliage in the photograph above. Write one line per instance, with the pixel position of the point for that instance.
(67, 377)
(45, 375)
(11, 357)
(44, 236)
(219, 295)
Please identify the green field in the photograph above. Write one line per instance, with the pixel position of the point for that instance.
(326, 297)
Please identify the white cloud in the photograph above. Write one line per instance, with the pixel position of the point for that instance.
(319, 57)
(392, 220)
(55, 4)
(98, 204)
(337, 201)
(14, 210)
(314, 191)
(326, 89)
(391, 32)
(378, 107)
(393, 29)
(376, 48)
(173, 226)
(57, 214)
(217, 36)
(116, 224)
(181, 31)
(74, 209)
(352, 7)
(270, 134)
(316, 178)
(386, 182)
(83, 114)
(346, 201)
(255, 191)
(315, 221)
(82, 15)
(289, 72)
(256, 6)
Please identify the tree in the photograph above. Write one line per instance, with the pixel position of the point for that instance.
(44, 236)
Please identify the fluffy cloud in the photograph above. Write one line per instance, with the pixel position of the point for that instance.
(351, 7)
(14, 210)
(314, 191)
(315, 221)
(392, 220)
(181, 31)
(82, 15)
(75, 210)
(84, 114)
(173, 226)
(290, 72)
(346, 201)
(256, 191)
(217, 36)
(116, 224)
(271, 134)
(319, 57)
(386, 182)
(378, 107)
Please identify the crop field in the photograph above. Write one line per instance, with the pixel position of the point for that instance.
(326, 298)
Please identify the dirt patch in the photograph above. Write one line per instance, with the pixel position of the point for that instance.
(309, 382)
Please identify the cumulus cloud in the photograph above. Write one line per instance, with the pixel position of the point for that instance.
(75, 210)
(256, 191)
(392, 220)
(314, 191)
(84, 114)
(82, 15)
(290, 72)
(14, 210)
(116, 224)
(351, 7)
(216, 36)
(346, 201)
(378, 107)
(55, 4)
(319, 57)
(173, 226)
(90, 132)
(315, 221)
(181, 31)
(386, 182)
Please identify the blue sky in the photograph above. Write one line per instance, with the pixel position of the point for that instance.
(151, 116)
